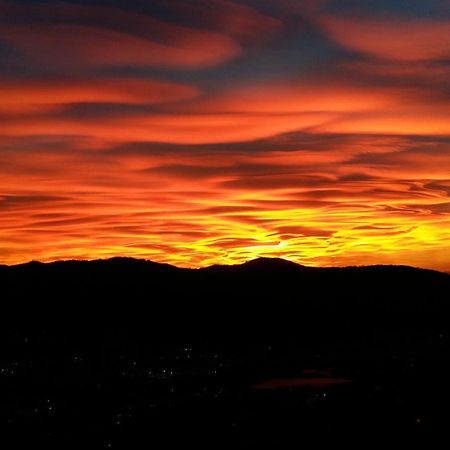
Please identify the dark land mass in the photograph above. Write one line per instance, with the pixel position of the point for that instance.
(131, 354)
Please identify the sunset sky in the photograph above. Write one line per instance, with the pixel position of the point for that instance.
(197, 132)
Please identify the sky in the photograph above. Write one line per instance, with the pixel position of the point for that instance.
(199, 132)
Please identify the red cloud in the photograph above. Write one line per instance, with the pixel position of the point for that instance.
(300, 96)
(94, 35)
(173, 128)
(235, 116)
(99, 46)
(391, 38)
(407, 120)
(75, 35)
(43, 95)
(241, 21)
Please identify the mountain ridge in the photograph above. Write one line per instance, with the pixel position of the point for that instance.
(264, 288)
(259, 263)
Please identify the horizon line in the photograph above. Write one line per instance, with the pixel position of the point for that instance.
(284, 260)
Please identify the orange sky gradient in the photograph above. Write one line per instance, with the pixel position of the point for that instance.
(215, 132)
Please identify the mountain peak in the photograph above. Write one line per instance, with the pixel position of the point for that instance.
(265, 263)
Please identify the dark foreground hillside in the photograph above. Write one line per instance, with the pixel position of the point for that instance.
(131, 354)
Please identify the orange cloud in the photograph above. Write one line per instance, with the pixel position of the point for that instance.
(173, 128)
(306, 96)
(342, 108)
(393, 38)
(43, 95)
(239, 115)
(423, 121)
(197, 209)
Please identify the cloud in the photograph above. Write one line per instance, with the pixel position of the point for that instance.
(75, 36)
(243, 22)
(102, 47)
(287, 96)
(171, 128)
(292, 206)
(25, 201)
(44, 95)
(391, 38)
(237, 115)
(397, 121)
(431, 74)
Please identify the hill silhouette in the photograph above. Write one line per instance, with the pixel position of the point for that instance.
(269, 291)
(127, 352)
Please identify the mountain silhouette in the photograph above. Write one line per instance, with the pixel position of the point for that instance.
(265, 296)
(126, 352)
(263, 264)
